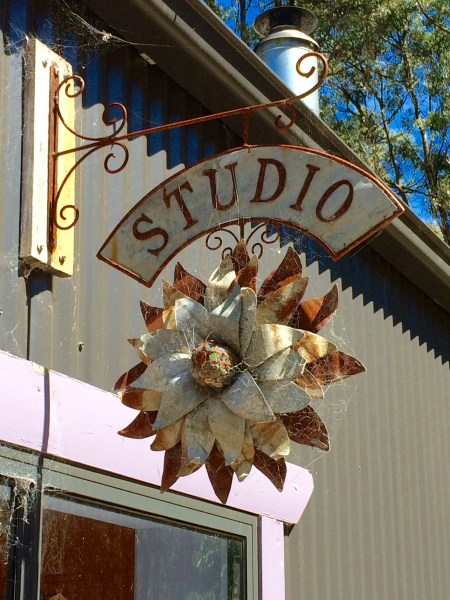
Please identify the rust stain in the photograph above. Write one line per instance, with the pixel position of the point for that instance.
(114, 250)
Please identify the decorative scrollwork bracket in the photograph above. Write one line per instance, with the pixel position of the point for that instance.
(260, 235)
(66, 216)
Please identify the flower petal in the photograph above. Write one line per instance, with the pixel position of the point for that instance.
(224, 321)
(141, 427)
(334, 367)
(181, 396)
(287, 364)
(172, 463)
(158, 374)
(231, 306)
(220, 475)
(168, 318)
(313, 314)
(244, 398)
(192, 287)
(240, 256)
(289, 269)
(171, 294)
(152, 316)
(140, 399)
(179, 272)
(198, 436)
(306, 427)
(269, 339)
(313, 346)
(163, 342)
(189, 284)
(247, 318)
(228, 429)
(246, 277)
(131, 375)
(186, 467)
(137, 343)
(243, 465)
(192, 320)
(279, 306)
(271, 438)
(275, 470)
(219, 284)
(225, 331)
(284, 396)
(168, 437)
(310, 384)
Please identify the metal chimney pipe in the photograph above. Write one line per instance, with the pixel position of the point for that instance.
(286, 30)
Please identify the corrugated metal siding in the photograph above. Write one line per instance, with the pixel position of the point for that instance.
(378, 524)
(13, 307)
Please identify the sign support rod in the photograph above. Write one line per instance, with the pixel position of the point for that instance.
(74, 86)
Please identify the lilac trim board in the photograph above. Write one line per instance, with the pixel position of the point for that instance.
(48, 412)
(271, 559)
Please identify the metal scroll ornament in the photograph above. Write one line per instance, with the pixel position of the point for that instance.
(67, 216)
(268, 234)
(115, 115)
(227, 371)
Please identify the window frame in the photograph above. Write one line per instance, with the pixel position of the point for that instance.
(55, 477)
(18, 465)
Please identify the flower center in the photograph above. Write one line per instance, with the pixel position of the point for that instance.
(213, 365)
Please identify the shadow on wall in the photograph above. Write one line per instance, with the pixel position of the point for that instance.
(378, 282)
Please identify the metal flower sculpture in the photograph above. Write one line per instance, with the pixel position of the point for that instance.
(227, 373)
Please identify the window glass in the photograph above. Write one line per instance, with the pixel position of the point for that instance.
(5, 523)
(89, 551)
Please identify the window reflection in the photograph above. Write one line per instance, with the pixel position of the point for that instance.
(84, 558)
(90, 552)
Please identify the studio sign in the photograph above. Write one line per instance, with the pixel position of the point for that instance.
(323, 196)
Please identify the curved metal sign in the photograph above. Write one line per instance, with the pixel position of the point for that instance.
(325, 197)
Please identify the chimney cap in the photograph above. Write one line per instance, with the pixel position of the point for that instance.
(285, 16)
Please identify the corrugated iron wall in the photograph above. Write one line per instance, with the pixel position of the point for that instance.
(378, 526)
(13, 305)
(73, 325)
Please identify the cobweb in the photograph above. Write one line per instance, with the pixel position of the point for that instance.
(76, 33)
(16, 502)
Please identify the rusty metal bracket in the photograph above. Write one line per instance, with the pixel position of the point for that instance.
(66, 217)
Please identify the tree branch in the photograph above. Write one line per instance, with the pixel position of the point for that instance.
(431, 19)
